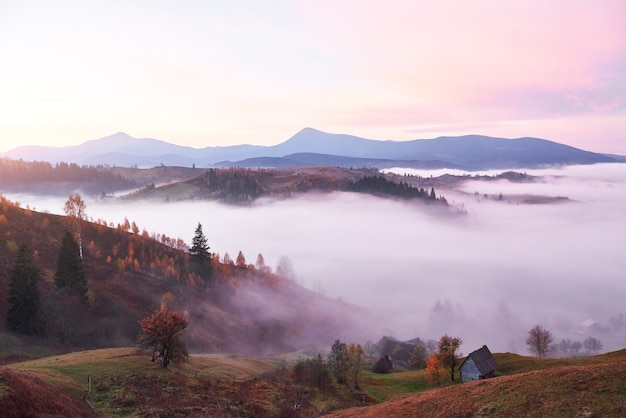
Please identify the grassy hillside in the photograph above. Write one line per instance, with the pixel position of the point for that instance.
(240, 186)
(525, 387)
(122, 382)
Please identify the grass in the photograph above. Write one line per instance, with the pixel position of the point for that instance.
(385, 387)
(525, 387)
(124, 380)
(124, 383)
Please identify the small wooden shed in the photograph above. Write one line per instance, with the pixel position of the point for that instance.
(479, 364)
(383, 365)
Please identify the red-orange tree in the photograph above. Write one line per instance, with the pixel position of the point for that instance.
(161, 332)
(435, 372)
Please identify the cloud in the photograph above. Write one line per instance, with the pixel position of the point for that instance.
(502, 267)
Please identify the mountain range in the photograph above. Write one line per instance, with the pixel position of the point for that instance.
(314, 147)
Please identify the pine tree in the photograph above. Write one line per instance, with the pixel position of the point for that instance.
(24, 313)
(70, 274)
(200, 255)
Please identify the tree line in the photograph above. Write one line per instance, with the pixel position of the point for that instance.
(18, 172)
(541, 342)
(233, 184)
(378, 184)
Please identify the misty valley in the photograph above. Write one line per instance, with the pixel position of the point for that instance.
(307, 258)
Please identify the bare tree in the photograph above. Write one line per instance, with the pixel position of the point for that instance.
(419, 356)
(539, 340)
(75, 210)
(565, 345)
(592, 344)
(338, 361)
(355, 362)
(285, 268)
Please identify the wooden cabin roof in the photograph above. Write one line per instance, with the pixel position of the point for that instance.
(483, 359)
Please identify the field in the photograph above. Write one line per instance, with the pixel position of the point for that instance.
(123, 382)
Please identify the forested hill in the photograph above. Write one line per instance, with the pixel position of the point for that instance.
(128, 272)
(39, 176)
(230, 185)
(242, 185)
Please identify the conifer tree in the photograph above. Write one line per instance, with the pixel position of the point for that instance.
(70, 274)
(200, 255)
(24, 313)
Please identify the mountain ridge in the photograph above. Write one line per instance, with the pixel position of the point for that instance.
(470, 152)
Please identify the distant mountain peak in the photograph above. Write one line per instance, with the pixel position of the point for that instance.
(308, 129)
(475, 152)
(124, 134)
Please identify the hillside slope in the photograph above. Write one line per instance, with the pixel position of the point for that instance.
(590, 387)
(129, 272)
(123, 382)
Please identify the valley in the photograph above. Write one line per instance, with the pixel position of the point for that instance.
(312, 285)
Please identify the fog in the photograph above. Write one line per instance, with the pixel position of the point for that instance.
(487, 276)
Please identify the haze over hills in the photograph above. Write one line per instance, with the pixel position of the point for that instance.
(313, 147)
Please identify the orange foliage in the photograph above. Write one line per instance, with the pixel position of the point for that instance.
(160, 332)
(435, 372)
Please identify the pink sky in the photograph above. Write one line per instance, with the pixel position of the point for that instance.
(212, 73)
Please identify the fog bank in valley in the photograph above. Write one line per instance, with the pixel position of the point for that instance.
(487, 276)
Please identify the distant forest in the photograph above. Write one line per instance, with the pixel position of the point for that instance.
(380, 185)
(93, 179)
(237, 185)
(233, 185)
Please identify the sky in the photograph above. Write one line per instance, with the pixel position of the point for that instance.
(209, 73)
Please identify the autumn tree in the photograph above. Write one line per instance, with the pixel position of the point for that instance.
(354, 357)
(539, 340)
(241, 260)
(435, 372)
(448, 354)
(338, 361)
(565, 345)
(260, 263)
(70, 273)
(24, 312)
(75, 210)
(161, 332)
(200, 255)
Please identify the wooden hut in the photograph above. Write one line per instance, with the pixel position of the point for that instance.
(479, 364)
(383, 365)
